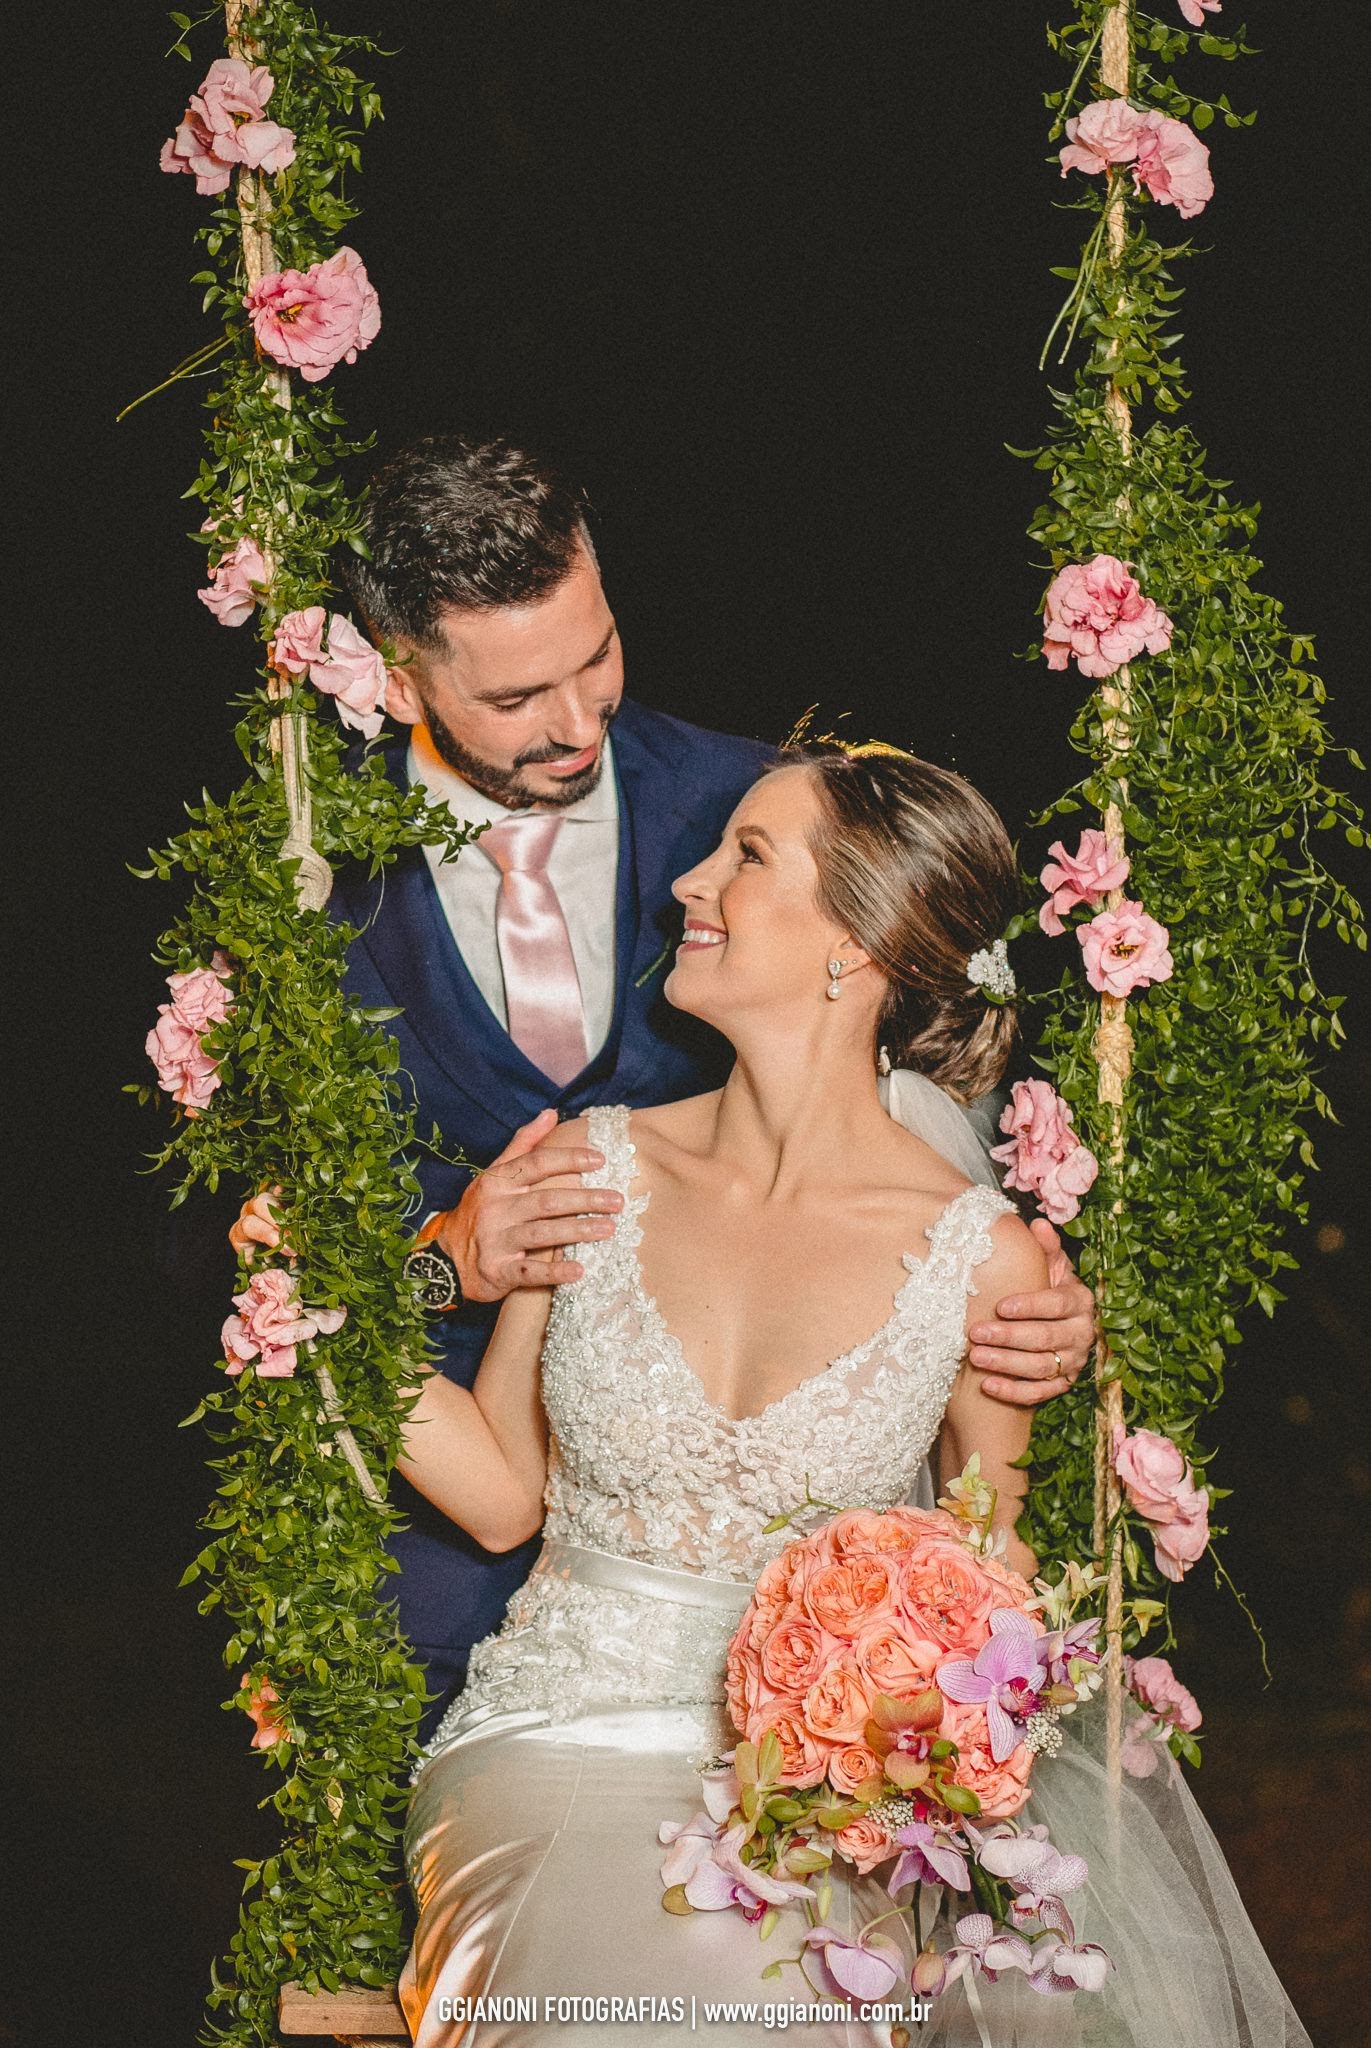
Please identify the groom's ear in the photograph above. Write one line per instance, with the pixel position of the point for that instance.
(403, 701)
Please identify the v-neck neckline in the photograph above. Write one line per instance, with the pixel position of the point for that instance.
(646, 1305)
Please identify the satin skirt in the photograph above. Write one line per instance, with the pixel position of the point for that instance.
(531, 1847)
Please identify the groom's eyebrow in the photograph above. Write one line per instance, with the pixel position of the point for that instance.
(536, 689)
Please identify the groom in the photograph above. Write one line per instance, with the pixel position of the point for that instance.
(529, 972)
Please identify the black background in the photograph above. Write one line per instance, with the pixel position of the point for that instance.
(774, 279)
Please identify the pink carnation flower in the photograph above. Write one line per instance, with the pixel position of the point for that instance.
(312, 319)
(270, 1323)
(1195, 10)
(1044, 1157)
(1183, 1538)
(199, 1000)
(229, 593)
(223, 129)
(1104, 133)
(1125, 949)
(1096, 612)
(1155, 1686)
(1098, 866)
(1173, 165)
(263, 1700)
(350, 669)
(299, 640)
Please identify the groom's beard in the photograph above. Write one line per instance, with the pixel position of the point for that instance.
(507, 785)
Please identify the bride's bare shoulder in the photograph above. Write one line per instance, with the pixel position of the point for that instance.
(675, 1126)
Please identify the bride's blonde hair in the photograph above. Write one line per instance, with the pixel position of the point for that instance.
(918, 867)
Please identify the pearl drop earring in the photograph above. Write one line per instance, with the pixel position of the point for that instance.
(835, 988)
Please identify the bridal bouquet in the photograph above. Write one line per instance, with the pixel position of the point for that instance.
(894, 1685)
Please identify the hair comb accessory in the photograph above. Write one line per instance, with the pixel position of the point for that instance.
(990, 970)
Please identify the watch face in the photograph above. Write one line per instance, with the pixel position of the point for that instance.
(435, 1277)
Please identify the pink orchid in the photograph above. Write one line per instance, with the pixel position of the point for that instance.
(866, 1969)
(1068, 1965)
(270, 1324)
(1104, 133)
(1061, 1649)
(1152, 1681)
(1003, 1677)
(1097, 867)
(989, 1950)
(223, 128)
(1041, 1876)
(722, 1879)
(721, 1789)
(314, 319)
(230, 593)
(1044, 1156)
(689, 1844)
(934, 1972)
(1172, 165)
(931, 1856)
(1125, 949)
(1195, 10)
(1096, 614)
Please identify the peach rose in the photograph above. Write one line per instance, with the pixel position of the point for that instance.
(793, 1655)
(842, 1597)
(864, 1843)
(1001, 1788)
(895, 1660)
(803, 1760)
(850, 1766)
(838, 1705)
(947, 1595)
(776, 1593)
(263, 1701)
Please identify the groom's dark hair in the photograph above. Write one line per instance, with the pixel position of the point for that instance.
(456, 521)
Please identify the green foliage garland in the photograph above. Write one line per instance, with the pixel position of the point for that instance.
(1217, 771)
(308, 1102)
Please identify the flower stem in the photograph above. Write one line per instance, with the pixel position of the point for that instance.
(192, 363)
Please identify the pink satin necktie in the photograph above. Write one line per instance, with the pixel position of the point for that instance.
(542, 988)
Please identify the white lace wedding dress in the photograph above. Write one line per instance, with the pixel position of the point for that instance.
(532, 1844)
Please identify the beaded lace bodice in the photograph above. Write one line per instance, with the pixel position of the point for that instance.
(642, 1464)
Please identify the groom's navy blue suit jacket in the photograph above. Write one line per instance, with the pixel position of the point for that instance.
(677, 786)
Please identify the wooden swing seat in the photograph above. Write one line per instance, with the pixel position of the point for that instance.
(359, 2016)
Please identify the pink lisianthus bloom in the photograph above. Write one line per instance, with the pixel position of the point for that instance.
(1152, 1470)
(200, 999)
(229, 594)
(270, 1324)
(224, 129)
(1195, 10)
(311, 320)
(1098, 866)
(354, 673)
(263, 1701)
(1183, 1538)
(1104, 133)
(867, 1969)
(1125, 949)
(299, 640)
(1155, 1685)
(1044, 1156)
(1172, 165)
(1095, 612)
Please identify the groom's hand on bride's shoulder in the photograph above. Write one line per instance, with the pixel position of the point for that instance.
(1038, 1344)
(510, 1224)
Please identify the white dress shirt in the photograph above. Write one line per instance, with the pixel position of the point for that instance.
(582, 868)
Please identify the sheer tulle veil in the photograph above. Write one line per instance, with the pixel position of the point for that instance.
(1188, 1967)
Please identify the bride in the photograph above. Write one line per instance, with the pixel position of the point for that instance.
(780, 1314)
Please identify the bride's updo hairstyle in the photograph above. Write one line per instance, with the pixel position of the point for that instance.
(918, 867)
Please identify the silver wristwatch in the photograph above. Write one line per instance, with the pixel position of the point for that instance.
(437, 1282)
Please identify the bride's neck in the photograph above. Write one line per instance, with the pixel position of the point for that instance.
(786, 1114)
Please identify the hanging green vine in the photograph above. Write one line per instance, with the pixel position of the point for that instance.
(1210, 754)
(281, 1083)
